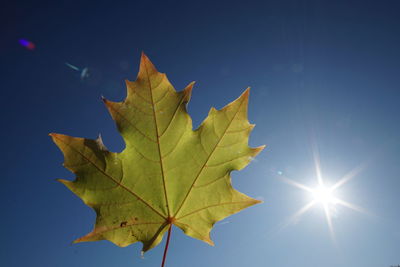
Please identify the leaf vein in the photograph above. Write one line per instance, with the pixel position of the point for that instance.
(132, 124)
(209, 156)
(119, 227)
(113, 179)
(211, 182)
(173, 116)
(221, 163)
(215, 205)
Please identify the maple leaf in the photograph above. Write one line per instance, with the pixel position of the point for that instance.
(167, 174)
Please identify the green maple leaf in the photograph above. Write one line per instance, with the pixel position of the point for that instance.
(167, 174)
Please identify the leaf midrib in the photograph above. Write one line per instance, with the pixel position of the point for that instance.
(158, 139)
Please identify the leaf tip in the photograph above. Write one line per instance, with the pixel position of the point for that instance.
(260, 148)
(145, 59)
(105, 101)
(244, 96)
(76, 241)
(188, 91)
(64, 182)
(209, 241)
(53, 135)
(246, 92)
(258, 201)
(146, 67)
(189, 87)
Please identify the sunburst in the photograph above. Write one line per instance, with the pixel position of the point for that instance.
(324, 195)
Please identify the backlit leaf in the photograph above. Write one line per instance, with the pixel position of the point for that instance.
(167, 173)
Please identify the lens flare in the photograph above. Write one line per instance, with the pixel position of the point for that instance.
(27, 44)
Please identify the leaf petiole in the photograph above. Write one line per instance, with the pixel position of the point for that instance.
(166, 245)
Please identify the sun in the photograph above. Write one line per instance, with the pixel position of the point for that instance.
(323, 195)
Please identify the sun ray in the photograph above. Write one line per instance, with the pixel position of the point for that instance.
(348, 176)
(317, 163)
(329, 221)
(297, 215)
(296, 184)
(352, 206)
(302, 210)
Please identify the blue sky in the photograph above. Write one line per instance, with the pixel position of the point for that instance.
(324, 77)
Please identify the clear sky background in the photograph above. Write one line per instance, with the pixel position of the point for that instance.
(324, 77)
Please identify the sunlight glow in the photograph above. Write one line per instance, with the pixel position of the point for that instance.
(323, 195)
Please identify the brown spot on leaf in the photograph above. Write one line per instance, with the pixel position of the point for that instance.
(123, 224)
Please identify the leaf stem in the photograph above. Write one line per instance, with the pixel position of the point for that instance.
(166, 245)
